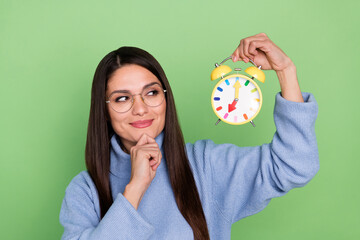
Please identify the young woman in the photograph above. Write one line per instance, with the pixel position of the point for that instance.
(143, 182)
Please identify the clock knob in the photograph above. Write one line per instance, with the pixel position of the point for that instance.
(256, 73)
(220, 71)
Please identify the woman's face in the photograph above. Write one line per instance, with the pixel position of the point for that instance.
(141, 118)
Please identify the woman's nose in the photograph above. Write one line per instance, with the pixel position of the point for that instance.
(139, 107)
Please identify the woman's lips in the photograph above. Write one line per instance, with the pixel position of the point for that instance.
(142, 123)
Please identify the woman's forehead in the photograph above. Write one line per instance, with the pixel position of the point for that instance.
(131, 78)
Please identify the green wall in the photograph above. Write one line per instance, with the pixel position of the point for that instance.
(48, 54)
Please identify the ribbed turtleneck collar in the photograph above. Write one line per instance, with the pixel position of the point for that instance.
(120, 163)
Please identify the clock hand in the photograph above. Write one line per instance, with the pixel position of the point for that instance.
(237, 86)
(232, 105)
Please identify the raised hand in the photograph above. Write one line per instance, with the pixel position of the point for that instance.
(260, 49)
(145, 159)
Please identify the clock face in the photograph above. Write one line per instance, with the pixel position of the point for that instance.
(236, 99)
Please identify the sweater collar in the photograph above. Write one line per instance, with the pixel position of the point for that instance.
(120, 161)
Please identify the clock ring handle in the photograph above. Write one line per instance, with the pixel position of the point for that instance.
(228, 58)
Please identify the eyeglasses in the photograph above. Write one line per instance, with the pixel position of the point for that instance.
(122, 101)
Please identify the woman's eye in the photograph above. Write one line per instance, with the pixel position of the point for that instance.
(153, 93)
(122, 99)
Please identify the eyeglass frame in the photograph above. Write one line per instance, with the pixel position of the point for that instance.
(133, 99)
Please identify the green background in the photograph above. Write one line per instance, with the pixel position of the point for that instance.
(49, 51)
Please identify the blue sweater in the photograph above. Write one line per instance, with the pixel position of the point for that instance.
(233, 183)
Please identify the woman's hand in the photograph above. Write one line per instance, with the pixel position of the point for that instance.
(145, 159)
(263, 52)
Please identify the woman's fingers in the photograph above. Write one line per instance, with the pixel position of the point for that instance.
(151, 148)
(145, 158)
(144, 161)
(235, 55)
(147, 149)
(248, 42)
(243, 52)
(155, 155)
(156, 163)
(151, 153)
(262, 51)
(144, 139)
(259, 47)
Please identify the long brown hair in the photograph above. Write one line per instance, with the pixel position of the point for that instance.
(97, 152)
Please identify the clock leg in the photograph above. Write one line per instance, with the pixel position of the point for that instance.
(252, 123)
(218, 121)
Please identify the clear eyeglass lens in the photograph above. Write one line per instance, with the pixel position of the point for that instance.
(153, 96)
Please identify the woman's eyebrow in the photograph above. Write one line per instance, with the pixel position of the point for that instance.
(150, 84)
(120, 91)
(127, 91)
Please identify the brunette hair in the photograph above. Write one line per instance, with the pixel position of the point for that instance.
(97, 152)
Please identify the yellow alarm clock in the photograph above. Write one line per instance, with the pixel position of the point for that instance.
(236, 98)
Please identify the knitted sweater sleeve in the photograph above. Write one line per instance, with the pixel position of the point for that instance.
(80, 215)
(244, 179)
